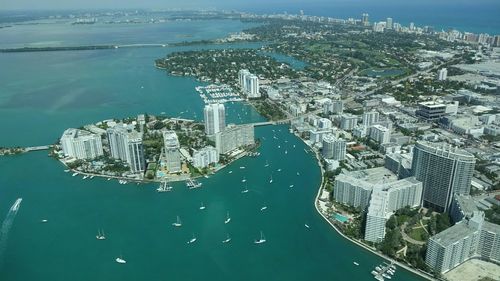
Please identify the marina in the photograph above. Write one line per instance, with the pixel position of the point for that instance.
(383, 271)
(218, 94)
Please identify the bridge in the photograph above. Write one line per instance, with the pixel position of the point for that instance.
(37, 148)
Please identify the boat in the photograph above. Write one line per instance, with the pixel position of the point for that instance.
(44, 221)
(291, 185)
(279, 170)
(202, 207)
(109, 179)
(305, 150)
(227, 240)
(306, 225)
(374, 272)
(120, 260)
(192, 240)
(267, 164)
(244, 180)
(244, 190)
(286, 151)
(178, 223)
(85, 177)
(91, 177)
(230, 172)
(298, 174)
(16, 205)
(392, 266)
(228, 219)
(271, 180)
(263, 208)
(74, 174)
(261, 240)
(67, 170)
(100, 235)
(242, 167)
(379, 277)
(164, 187)
(355, 263)
(386, 276)
(377, 268)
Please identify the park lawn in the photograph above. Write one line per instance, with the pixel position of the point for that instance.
(418, 234)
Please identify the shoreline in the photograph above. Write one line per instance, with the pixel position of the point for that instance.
(422, 274)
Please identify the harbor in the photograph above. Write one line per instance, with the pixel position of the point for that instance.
(218, 94)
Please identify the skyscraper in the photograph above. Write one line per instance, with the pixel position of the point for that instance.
(443, 171)
(370, 117)
(333, 148)
(365, 19)
(215, 118)
(172, 153)
(442, 74)
(127, 146)
(388, 23)
(252, 86)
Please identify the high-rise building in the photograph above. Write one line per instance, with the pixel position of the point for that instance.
(442, 74)
(126, 145)
(453, 246)
(234, 137)
(215, 118)
(205, 156)
(365, 19)
(388, 23)
(387, 198)
(172, 153)
(337, 107)
(348, 121)
(444, 171)
(333, 148)
(369, 118)
(380, 134)
(430, 110)
(81, 144)
(241, 78)
(252, 89)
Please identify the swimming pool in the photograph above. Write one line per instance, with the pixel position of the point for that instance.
(340, 217)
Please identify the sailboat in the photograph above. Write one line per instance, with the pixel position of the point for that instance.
(192, 240)
(263, 208)
(178, 223)
(271, 180)
(202, 207)
(228, 239)
(228, 219)
(261, 240)
(100, 235)
(267, 164)
(244, 180)
(120, 260)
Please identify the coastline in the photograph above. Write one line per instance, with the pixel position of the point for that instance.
(422, 274)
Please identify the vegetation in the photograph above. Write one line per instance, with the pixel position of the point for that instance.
(269, 110)
(493, 214)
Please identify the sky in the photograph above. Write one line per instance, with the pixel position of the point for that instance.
(219, 4)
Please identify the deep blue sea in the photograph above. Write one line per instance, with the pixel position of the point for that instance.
(478, 16)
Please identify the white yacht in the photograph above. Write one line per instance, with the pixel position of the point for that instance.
(291, 185)
(178, 223)
(307, 226)
(228, 218)
(120, 260)
(263, 208)
(100, 235)
(192, 240)
(355, 263)
(244, 190)
(271, 180)
(244, 180)
(74, 174)
(227, 240)
(261, 240)
(230, 172)
(202, 207)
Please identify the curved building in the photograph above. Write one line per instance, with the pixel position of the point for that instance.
(443, 170)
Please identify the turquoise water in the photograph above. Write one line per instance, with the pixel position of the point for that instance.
(43, 93)
(340, 217)
(294, 63)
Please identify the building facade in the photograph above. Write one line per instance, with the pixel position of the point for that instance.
(380, 134)
(215, 118)
(204, 157)
(172, 153)
(81, 144)
(444, 171)
(234, 137)
(126, 145)
(333, 148)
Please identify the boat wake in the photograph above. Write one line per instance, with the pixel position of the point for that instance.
(6, 225)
